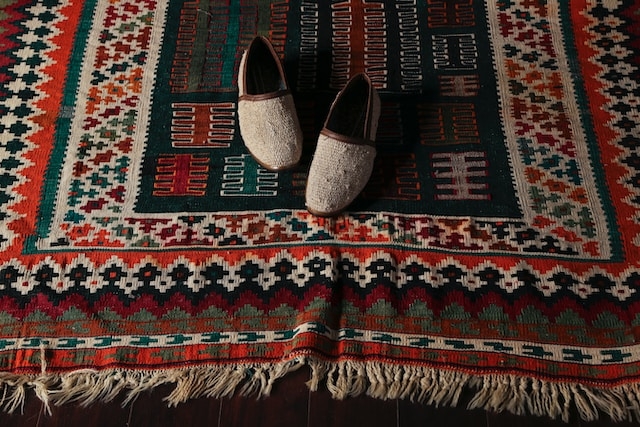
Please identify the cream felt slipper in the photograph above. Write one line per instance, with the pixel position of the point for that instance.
(267, 115)
(344, 156)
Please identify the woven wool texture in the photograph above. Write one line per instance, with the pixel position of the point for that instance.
(493, 254)
(271, 131)
(338, 173)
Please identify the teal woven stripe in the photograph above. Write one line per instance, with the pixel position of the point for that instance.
(52, 175)
(264, 18)
(617, 250)
(199, 48)
(231, 46)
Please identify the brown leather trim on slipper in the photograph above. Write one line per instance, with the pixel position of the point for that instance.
(347, 139)
(368, 117)
(264, 96)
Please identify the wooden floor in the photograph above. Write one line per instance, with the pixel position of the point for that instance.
(291, 405)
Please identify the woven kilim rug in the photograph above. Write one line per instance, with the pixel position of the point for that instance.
(496, 248)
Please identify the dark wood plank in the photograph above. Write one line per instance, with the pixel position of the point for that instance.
(28, 417)
(414, 414)
(71, 414)
(353, 411)
(506, 419)
(150, 410)
(286, 407)
(606, 422)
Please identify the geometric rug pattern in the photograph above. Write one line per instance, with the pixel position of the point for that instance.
(496, 246)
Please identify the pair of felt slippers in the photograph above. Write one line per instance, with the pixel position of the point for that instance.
(343, 159)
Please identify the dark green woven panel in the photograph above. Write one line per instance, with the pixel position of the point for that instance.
(440, 142)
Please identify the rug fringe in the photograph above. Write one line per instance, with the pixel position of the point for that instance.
(494, 393)
(343, 379)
